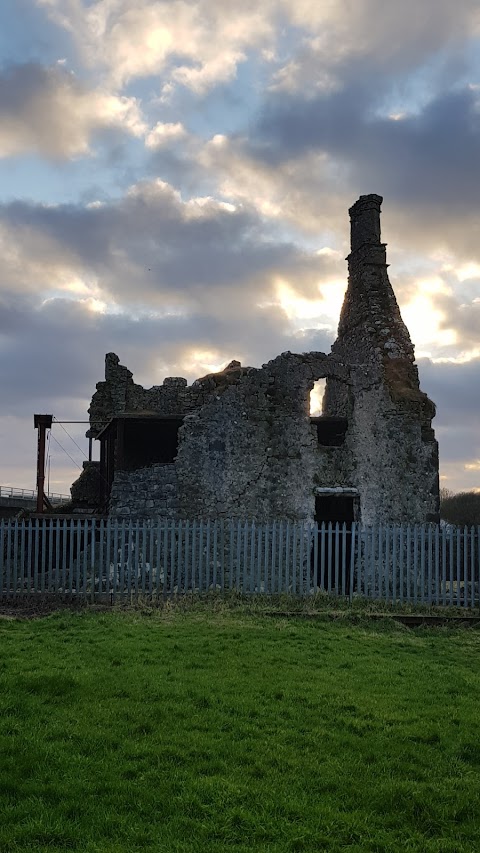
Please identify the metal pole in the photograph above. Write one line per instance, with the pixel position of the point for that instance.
(41, 423)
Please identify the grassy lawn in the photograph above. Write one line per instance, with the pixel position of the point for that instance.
(223, 731)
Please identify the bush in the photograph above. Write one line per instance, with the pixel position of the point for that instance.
(462, 508)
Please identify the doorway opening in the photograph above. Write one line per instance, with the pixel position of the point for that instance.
(331, 555)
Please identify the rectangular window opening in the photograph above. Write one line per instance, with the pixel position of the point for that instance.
(331, 432)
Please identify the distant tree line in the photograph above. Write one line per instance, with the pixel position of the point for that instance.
(462, 508)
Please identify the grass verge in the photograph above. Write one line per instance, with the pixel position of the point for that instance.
(217, 729)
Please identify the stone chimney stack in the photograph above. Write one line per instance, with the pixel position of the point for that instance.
(365, 221)
(365, 244)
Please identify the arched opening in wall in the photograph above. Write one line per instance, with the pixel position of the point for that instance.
(316, 397)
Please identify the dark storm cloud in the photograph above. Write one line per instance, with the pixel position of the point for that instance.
(150, 245)
(455, 389)
(430, 158)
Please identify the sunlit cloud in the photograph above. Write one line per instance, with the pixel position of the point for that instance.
(164, 133)
(47, 110)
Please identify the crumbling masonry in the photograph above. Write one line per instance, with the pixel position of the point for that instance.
(242, 444)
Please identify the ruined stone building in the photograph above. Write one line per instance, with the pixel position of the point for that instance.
(241, 443)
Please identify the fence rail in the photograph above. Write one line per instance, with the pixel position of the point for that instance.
(98, 559)
(31, 495)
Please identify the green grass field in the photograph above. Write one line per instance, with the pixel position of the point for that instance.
(224, 731)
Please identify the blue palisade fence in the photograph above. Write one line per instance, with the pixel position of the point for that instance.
(110, 560)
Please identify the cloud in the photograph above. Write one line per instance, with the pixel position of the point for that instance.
(195, 44)
(48, 111)
(201, 44)
(165, 133)
(153, 249)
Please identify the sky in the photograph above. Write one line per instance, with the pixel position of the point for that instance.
(175, 178)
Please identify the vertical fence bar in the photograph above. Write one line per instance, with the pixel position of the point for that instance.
(77, 558)
(7, 554)
(294, 558)
(245, 557)
(353, 531)
(401, 559)
(329, 566)
(415, 564)
(144, 556)
(122, 560)
(287, 557)
(444, 566)
(207, 557)
(165, 559)
(265, 558)
(30, 557)
(9, 558)
(380, 564)
(315, 558)
(459, 564)
(394, 563)
(252, 556)
(43, 564)
(215, 553)
(70, 580)
(17, 566)
(280, 557)
(472, 566)
(429, 565)
(136, 559)
(56, 582)
(127, 550)
(101, 548)
(111, 558)
(231, 539)
(180, 551)
(92, 558)
(3, 556)
(344, 560)
(157, 559)
(387, 562)
(422, 564)
(22, 559)
(300, 558)
(465, 566)
(409, 563)
(437, 565)
(193, 573)
(186, 559)
(36, 532)
(368, 536)
(239, 552)
(172, 557)
(451, 548)
(273, 556)
(322, 555)
(165, 552)
(49, 566)
(375, 562)
(200, 557)
(151, 553)
(222, 554)
(85, 556)
(336, 534)
(258, 567)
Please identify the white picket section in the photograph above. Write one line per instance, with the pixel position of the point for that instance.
(98, 559)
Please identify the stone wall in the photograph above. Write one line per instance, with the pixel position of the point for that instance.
(247, 447)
